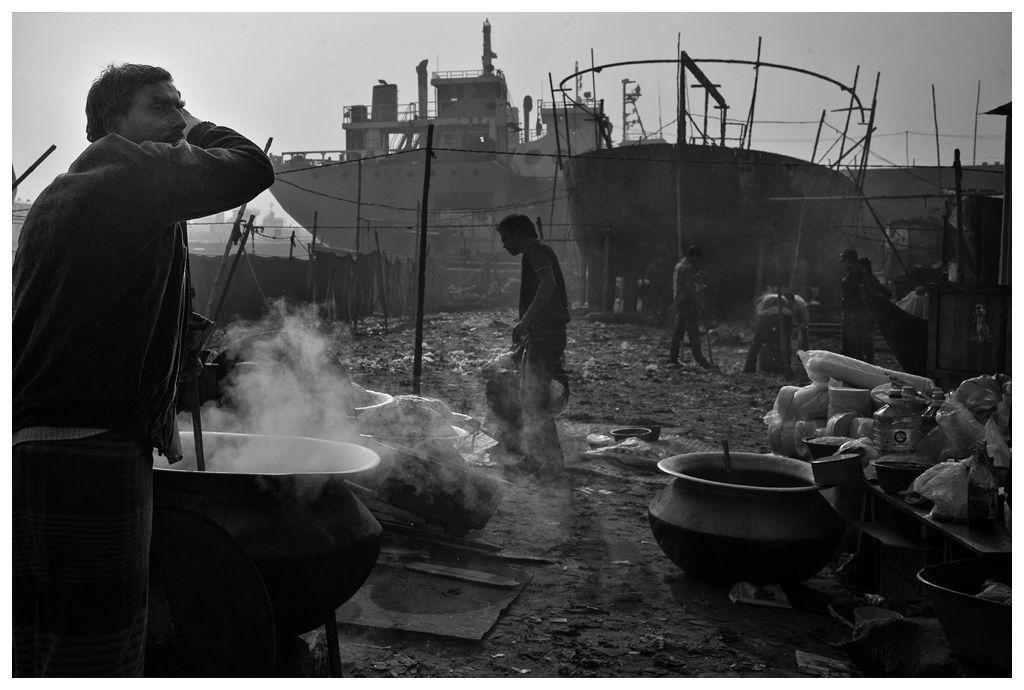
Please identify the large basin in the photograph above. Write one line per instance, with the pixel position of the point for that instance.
(764, 521)
(285, 501)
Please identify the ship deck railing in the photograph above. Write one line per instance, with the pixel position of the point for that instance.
(403, 113)
(308, 158)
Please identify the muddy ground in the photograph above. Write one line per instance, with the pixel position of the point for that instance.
(607, 602)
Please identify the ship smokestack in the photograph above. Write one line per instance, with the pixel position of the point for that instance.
(421, 79)
(488, 54)
(527, 109)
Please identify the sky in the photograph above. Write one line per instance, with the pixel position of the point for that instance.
(289, 75)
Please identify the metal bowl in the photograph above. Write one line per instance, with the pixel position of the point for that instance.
(763, 520)
(641, 432)
(895, 476)
(285, 501)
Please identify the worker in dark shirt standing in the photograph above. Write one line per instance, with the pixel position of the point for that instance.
(857, 336)
(543, 314)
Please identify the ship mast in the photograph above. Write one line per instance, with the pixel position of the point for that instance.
(488, 53)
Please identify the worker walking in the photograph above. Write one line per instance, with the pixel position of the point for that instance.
(689, 309)
(543, 315)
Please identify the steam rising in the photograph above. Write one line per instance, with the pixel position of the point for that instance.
(286, 380)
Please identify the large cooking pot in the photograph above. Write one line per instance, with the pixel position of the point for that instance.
(284, 500)
(762, 521)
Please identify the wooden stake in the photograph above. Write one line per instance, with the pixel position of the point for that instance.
(383, 279)
(232, 238)
(938, 161)
(977, 107)
(957, 176)
(231, 272)
(417, 362)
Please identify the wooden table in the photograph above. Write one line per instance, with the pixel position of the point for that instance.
(978, 542)
(902, 539)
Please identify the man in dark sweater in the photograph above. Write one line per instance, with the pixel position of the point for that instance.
(543, 314)
(101, 303)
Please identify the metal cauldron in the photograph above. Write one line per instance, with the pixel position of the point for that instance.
(763, 521)
(284, 500)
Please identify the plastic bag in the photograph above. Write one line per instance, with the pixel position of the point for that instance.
(996, 444)
(980, 395)
(821, 365)
(961, 429)
(932, 445)
(945, 485)
(811, 401)
(863, 446)
(846, 399)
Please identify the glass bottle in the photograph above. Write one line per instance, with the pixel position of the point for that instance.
(981, 491)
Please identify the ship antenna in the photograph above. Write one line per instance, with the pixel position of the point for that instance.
(488, 53)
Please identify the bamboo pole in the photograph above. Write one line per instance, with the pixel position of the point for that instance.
(234, 264)
(232, 238)
(753, 97)
(977, 107)
(417, 362)
(957, 177)
(867, 137)
(383, 279)
(849, 110)
(288, 266)
(558, 148)
(817, 137)
(680, 142)
(606, 279)
(311, 276)
(28, 171)
(938, 157)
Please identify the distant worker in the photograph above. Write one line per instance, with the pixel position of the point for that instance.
(858, 326)
(654, 292)
(543, 315)
(801, 318)
(689, 309)
(773, 324)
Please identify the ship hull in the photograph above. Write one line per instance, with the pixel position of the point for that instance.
(468, 193)
(740, 206)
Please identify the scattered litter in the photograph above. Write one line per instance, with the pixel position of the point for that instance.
(497, 656)
(622, 562)
(764, 595)
(822, 666)
(559, 620)
(585, 608)
(370, 646)
(520, 670)
(605, 492)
